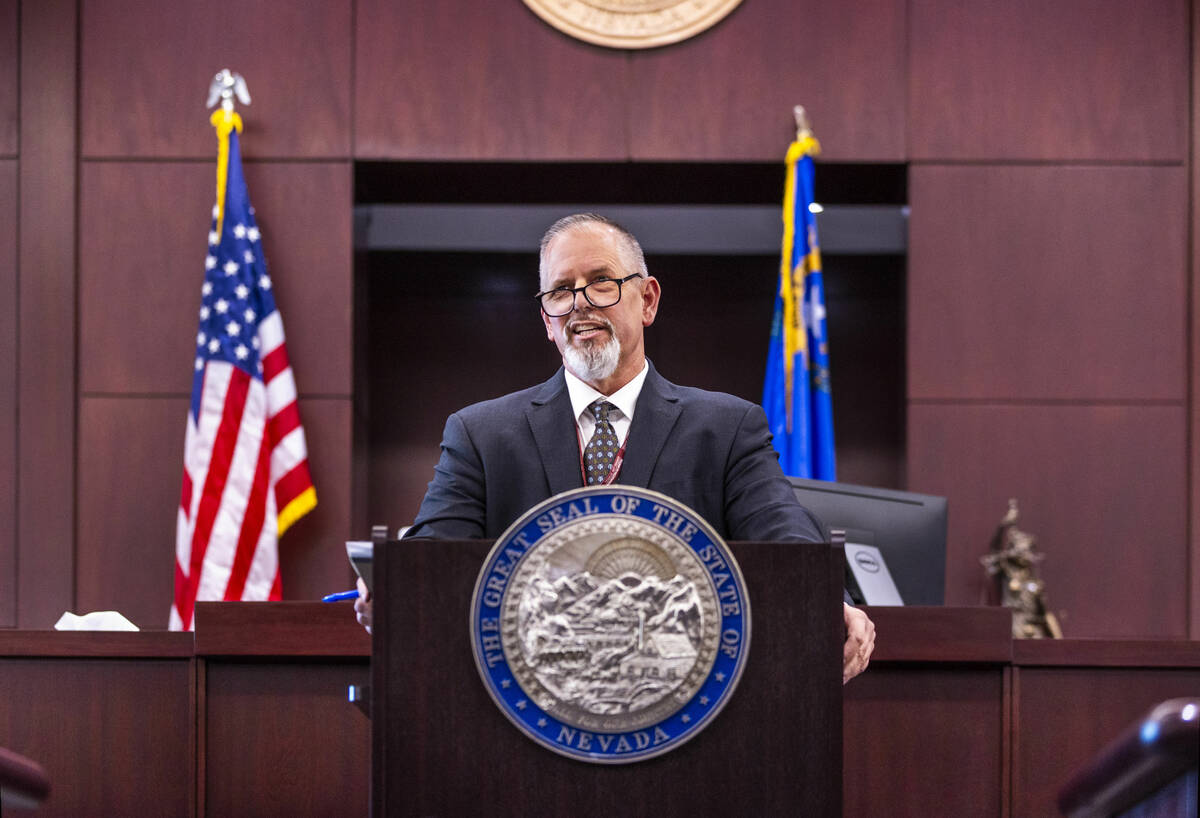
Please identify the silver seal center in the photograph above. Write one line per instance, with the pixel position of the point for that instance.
(610, 624)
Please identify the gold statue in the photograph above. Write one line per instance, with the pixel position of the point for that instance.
(1013, 561)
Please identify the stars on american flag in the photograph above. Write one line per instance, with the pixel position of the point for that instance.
(236, 295)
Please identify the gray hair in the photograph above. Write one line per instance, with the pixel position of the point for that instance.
(631, 251)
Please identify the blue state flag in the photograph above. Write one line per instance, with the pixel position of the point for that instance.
(796, 393)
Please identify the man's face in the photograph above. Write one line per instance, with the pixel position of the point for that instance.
(578, 257)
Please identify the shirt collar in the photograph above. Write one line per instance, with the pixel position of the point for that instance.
(625, 398)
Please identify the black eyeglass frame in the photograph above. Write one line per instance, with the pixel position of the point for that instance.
(584, 290)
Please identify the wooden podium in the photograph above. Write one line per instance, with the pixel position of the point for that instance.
(440, 746)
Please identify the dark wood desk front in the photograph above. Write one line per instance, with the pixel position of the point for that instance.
(249, 716)
(954, 717)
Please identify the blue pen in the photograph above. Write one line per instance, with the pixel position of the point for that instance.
(338, 597)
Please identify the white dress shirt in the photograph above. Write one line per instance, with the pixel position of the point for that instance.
(625, 399)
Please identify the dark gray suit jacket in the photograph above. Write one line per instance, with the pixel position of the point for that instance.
(708, 450)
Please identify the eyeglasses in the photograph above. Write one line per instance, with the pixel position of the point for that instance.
(601, 293)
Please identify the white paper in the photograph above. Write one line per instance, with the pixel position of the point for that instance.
(94, 621)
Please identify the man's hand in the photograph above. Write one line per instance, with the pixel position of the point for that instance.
(860, 641)
(362, 605)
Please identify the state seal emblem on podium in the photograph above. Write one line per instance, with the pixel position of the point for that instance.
(610, 624)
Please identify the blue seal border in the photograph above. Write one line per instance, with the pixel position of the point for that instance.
(543, 520)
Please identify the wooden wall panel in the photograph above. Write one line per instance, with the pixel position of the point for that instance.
(938, 731)
(1047, 282)
(47, 292)
(130, 473)
(302, 750)
(313, 552)
(458, 79)
(1194, 345)
(146, 67)
(1112, 699)
(9, 128)
(728, 93)
(114, 735)
(1032, 80)
(143, 228)
(130, 467)
(8, 393)
(1101, 487)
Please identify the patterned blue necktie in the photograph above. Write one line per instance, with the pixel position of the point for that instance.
(602, 448)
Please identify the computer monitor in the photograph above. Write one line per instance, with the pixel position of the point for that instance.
(909, 530)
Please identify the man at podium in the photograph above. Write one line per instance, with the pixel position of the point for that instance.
(607, 416)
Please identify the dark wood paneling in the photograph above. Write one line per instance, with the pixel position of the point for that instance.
(469, 80)
(8, 393)
(46, 295)
(96, 644)
(915, 633)
(279, 629)
(1130, 653)
(1101, 487)
(924, 741)
(728, 93)
(146, 68)
(143, 228)
(302, 750)
(130, 470)
(1047, 282)
(9, 128)
(1194, 346)
(1032, 80)
(312, 554)
(1052, 741)
(130, 467)
(772, 750)
(113, 735)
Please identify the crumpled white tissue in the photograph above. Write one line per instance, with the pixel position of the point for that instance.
(94, 621)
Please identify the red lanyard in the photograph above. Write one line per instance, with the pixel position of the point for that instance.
(616, 466)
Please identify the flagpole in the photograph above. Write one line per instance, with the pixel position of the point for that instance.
(246, 478)
(796, 396)
(224, 86)
(802, 128)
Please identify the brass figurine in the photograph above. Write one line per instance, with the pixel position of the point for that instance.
(1013, 562)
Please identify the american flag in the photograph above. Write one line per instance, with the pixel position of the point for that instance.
(245, 466)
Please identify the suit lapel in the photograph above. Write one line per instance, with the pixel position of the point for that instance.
(657, 410)
(553, 425)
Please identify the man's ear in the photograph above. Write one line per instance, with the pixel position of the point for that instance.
(546, 321)
(651, 293)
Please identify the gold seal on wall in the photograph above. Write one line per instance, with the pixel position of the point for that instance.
(632, 23)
